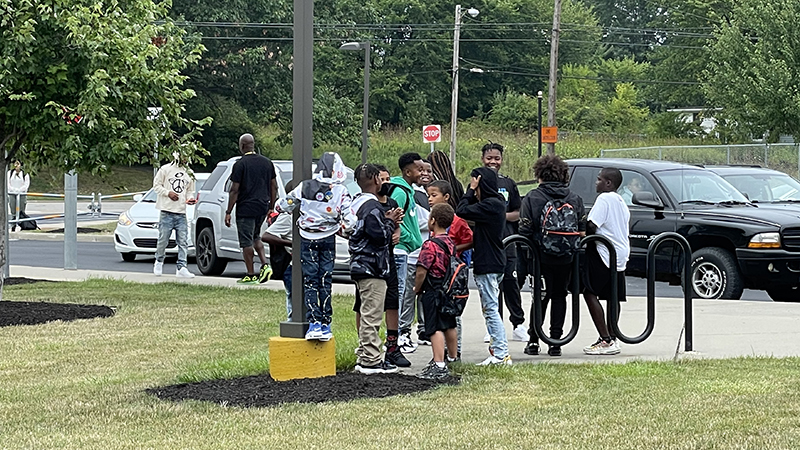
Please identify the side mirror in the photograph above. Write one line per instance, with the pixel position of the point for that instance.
(647, 199)
(138, 197)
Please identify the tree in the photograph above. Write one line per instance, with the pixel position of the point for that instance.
(753, 74)
(77, 79)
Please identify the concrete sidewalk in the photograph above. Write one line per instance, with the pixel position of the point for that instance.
(722, 328)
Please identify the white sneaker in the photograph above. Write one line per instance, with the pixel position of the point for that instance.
(158, 268)
(184, 273)
(495, 361)
(520, 334)
(406, 344)
(602, 347)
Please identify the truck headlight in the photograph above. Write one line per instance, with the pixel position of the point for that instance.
(124, 220)
(765, 240)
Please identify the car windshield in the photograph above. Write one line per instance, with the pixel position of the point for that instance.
(766, 186)
(699, 186)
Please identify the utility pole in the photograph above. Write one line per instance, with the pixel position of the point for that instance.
(454, 93)
(551, 95)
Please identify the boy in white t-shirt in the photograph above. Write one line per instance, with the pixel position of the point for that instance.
(608, 217)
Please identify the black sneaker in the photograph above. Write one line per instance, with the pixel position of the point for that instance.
(554, 350)
(396, 357)
(433, 372)
(532, 348)
(381, 367)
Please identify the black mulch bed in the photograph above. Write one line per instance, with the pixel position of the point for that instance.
(34, 313)
(22, 280)
(262, 390)
(81, 230)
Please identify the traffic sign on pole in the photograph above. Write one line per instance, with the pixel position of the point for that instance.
(549, 135)
(431, 134)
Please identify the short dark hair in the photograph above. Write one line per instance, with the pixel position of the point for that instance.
(382, 168)
(492, 146)
(443, 214)
(613, 174)
(366, 172)
(408, 158)
(551, 168)
(443, 187)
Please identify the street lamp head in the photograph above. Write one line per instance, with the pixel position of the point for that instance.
(473, 12)
(539, 94)
(476, 70)
(353, 46)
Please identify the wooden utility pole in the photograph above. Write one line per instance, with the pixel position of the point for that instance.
(551, 95)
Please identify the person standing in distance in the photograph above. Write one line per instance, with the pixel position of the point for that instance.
(18, 184)
(253, 192)
(492, 157)
(174, 184)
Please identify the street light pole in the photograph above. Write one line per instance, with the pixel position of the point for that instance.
(539, 98)
(551, 95)
(365, 122)
(454, 97)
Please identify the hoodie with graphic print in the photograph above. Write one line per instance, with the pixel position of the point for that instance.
(173, 177)
(371, 239)
(323, 200)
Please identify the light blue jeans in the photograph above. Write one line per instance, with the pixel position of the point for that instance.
(167, 222)
(489, 289)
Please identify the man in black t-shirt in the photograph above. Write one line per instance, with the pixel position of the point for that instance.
(493, 158)
(253, 192)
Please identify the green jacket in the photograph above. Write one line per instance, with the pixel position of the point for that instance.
(403, 194)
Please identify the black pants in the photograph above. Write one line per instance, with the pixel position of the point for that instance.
(556, 280)
(509, 291)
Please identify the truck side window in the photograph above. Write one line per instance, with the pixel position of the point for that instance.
(583, 183)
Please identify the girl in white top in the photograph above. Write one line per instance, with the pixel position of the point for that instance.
(18, 184)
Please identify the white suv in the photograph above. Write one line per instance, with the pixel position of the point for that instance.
(216, 244)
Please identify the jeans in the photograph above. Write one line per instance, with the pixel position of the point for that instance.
(317, 257)
(401, 262)
(408, 302)
(12, 204)
(287, 284)
(167, 222)
(489, 289)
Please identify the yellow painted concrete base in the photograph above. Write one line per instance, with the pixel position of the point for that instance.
(291, 358)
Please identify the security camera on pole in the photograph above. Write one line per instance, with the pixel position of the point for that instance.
(454, 101)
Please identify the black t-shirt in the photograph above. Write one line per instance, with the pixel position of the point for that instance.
(508, 189)
(254, 173)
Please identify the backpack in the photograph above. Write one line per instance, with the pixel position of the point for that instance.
(27, 225)
(453, 295)
(560, 234)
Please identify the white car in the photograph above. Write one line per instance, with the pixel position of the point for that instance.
(137, 228)
(218, 244)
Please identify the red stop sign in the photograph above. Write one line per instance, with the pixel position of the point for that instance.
(431, 133)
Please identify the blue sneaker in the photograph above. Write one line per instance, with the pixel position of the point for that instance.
(325, 333)
(314, 331)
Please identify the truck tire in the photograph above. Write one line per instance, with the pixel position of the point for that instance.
(715, 274)
(785, 294)
(206, 254)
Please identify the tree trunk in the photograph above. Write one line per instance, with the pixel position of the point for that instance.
(3, 223)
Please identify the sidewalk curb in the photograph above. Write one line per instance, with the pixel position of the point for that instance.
(58, 237)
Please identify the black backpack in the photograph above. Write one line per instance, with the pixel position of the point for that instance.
(27, 225)
(560, 233)
(453, 295)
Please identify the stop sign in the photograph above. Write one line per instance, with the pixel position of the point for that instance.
(431, 134)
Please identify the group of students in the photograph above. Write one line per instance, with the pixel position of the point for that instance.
(403, 231)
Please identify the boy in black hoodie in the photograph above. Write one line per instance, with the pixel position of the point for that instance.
(486, 207)
(369, 247)
(553, 175)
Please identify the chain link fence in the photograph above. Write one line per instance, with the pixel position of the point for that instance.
(781, 157)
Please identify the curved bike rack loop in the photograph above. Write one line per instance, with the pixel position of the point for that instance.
(687, 279)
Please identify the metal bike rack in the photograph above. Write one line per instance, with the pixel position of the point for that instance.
(612, 312)
(687, 281)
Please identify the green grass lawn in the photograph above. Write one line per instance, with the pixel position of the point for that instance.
(80, 385)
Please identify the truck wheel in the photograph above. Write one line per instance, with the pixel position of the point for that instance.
(206, 254)
(715, 274)
(785, 294)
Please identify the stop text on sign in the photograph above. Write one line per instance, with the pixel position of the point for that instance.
(431, 133)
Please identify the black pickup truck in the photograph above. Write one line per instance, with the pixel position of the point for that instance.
(735, 244)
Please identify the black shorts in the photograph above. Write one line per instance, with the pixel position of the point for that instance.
(596, 277)
(434, 319)
(392, 300)
(249, 229)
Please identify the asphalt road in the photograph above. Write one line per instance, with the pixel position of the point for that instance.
(102, 256)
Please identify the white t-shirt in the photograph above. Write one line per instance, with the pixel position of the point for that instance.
(282, 228)
(612, 217)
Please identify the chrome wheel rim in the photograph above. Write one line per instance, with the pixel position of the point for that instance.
(708, 279)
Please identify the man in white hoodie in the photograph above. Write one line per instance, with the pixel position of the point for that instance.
(174, 184)
(324, 211)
